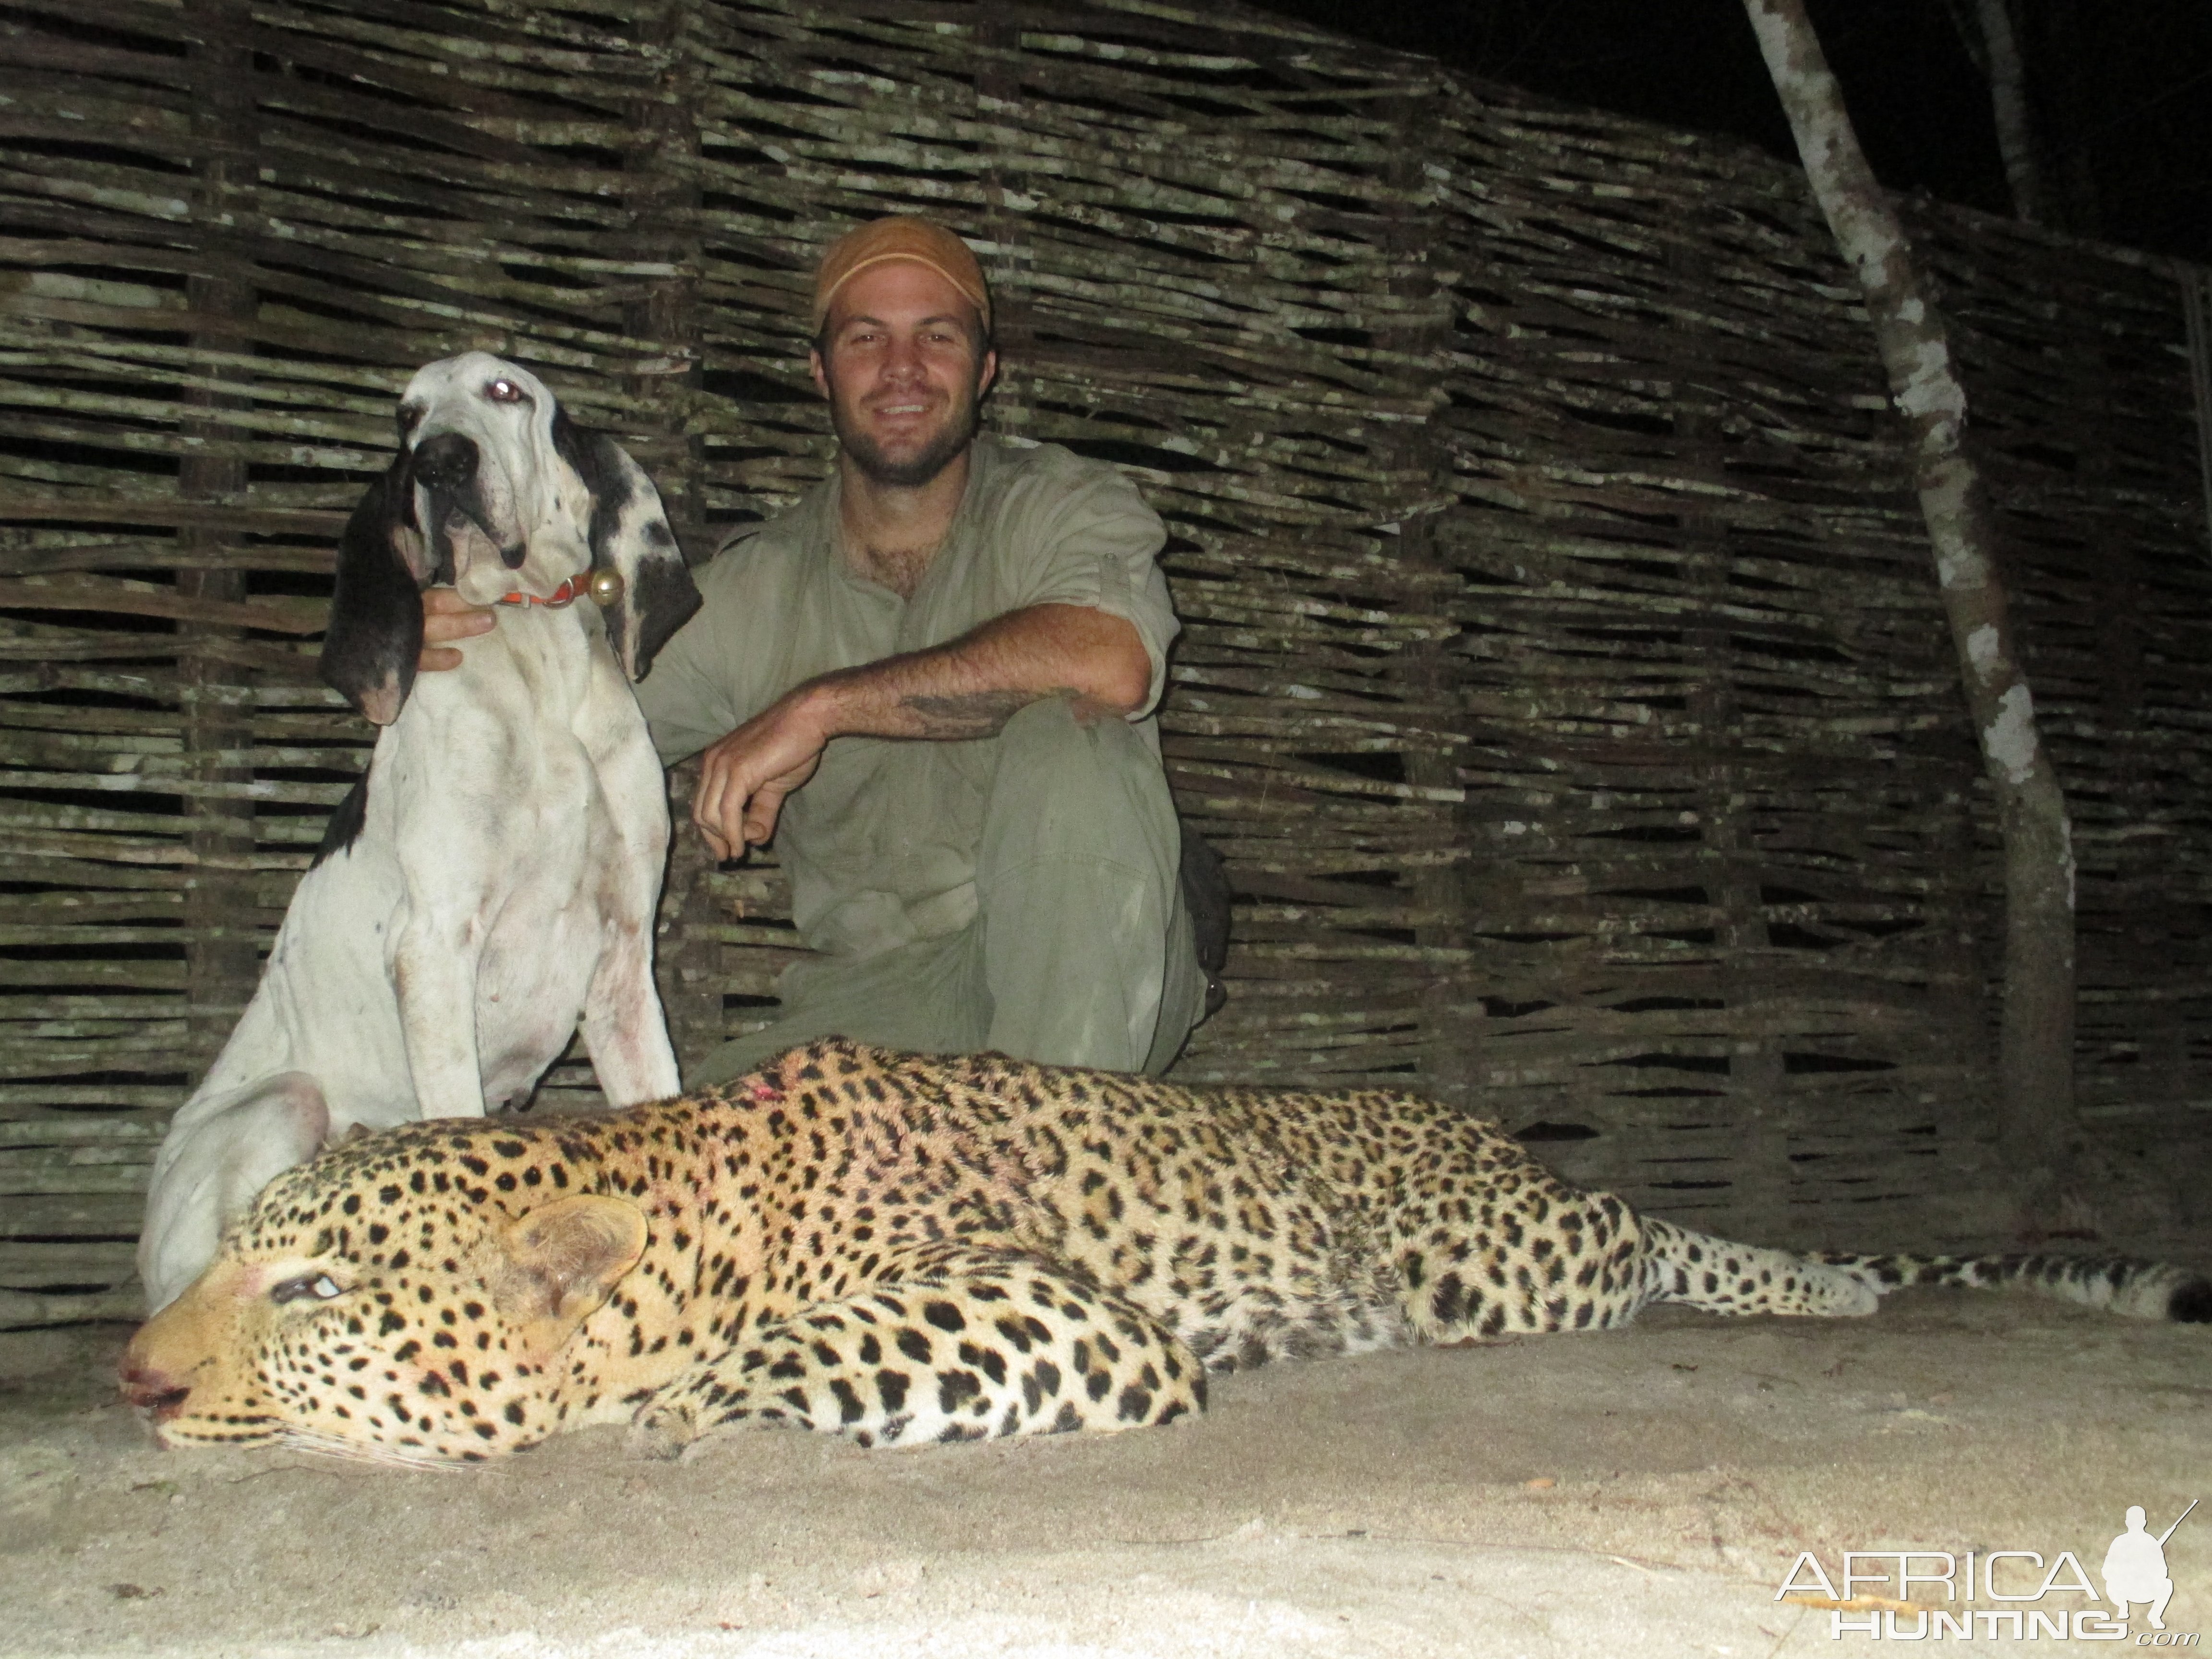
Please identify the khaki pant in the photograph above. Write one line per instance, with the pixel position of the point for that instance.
(1078, 952)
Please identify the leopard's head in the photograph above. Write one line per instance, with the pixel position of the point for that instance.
(406, 1298)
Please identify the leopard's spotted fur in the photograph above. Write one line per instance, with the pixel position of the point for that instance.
(901, 1246)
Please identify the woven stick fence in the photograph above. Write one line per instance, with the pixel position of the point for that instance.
(1562, 677)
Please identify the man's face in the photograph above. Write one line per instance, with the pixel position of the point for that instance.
(901, 360)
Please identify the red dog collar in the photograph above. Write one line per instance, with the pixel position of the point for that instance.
(566, 593)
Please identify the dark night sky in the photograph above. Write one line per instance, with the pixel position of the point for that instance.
(2125, 85)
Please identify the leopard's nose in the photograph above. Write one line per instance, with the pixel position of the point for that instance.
(150, 1391)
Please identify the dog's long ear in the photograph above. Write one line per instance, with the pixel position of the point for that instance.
(629, 536)
(376, 615)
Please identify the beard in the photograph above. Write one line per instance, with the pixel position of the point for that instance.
(910, 471)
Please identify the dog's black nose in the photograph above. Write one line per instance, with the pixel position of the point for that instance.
(446, 462)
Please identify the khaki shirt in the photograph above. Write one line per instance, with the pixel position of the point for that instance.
(881, 841)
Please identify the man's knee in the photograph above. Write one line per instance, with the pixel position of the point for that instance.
(1081, 784)
(1054, 741)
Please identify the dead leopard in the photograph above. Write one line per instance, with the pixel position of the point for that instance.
(904, 1248)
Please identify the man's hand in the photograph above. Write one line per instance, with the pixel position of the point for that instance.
(447, 617)
(744, 778)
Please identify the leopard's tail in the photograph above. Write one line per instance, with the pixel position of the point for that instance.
(2126, 1285)
(1723, 1277)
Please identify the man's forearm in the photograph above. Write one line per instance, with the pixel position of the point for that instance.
(972, 686)
(969, 688)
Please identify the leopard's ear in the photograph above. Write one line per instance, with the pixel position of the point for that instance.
(557, 1266)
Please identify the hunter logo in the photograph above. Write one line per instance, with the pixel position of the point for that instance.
(2135, 1566)
(1876, 1591)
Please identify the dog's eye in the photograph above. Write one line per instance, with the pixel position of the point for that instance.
(505, 392)
(321, 1286)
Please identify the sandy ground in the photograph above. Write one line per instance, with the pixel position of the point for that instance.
(1640, 1491)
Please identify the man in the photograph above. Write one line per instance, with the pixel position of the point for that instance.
(935, 676)
(2135, 1567)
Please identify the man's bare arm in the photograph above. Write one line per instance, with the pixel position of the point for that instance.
(969, 688)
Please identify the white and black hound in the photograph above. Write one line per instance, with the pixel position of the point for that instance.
(489, 884)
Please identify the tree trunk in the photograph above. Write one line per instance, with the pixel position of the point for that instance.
(661, 190)
(221, 951)
(2009, 105)
(1985, 29)
(2036, 1070)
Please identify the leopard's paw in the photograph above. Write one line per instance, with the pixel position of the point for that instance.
(663, 1431)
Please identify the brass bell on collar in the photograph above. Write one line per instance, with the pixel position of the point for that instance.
(605, 588)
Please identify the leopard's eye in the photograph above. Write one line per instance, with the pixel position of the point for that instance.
(321, 1286)
(505, 392)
